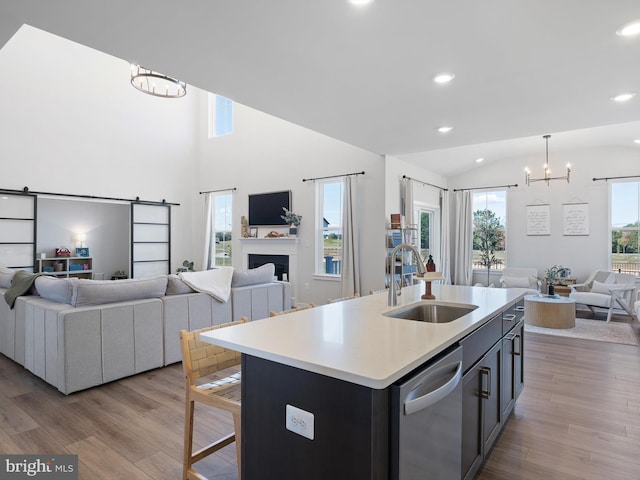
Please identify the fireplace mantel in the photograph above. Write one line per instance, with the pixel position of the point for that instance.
(275, 240)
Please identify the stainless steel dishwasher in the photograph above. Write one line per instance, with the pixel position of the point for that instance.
(426, 421)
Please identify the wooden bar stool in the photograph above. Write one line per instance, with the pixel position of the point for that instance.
(342, 299)
(294, 309)
(210, 379)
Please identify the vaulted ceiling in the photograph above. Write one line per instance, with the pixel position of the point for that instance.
(364, 74)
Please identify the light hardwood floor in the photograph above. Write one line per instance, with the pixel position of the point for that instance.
(578, 418)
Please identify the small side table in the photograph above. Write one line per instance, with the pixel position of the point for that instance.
(550, 312)
(563, 289)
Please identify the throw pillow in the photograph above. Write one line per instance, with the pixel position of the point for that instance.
(55, 289)
(175, 286)
(597, 287)
(254, 276)
(97, 292)
(516, 282)
(6, 274)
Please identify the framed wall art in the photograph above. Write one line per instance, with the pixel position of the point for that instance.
(538, 220)
(575, 219)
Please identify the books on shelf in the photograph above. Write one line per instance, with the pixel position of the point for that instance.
(396, 220)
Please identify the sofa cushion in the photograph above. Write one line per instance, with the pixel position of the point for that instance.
(516, 282)
(6, 275)
(98, 292)
(55, 289)
(598, 287)
(254, 276)
(175, 286)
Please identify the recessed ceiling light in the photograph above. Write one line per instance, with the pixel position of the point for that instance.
(623, 97)
(637, 140)
(630, 29)
(445, 129)
(479, 160)
(360, 2)
(444, 77)
(4, 198)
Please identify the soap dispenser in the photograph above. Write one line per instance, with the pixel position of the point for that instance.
(431, 266)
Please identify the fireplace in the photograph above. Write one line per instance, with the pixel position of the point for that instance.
(280, 261)
(283, 252)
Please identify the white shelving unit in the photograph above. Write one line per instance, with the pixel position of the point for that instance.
(405, 267)
(80, 267)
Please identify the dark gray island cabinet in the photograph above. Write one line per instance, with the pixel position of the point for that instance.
(493, 379)
(303, 421)
(351, 434)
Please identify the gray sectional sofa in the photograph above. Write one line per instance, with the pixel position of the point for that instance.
(77, 334)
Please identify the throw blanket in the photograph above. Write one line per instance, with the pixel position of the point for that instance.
(21, 283)
(216, 282)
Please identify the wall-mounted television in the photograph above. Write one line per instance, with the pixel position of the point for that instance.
(265, 208)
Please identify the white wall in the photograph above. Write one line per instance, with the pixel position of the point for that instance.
(394, 171)
(581, 254)
(70, 122)
(266, 154)
(425, 195)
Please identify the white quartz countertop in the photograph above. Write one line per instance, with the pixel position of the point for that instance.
(353, 341)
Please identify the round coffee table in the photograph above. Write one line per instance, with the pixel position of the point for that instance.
(550, 312)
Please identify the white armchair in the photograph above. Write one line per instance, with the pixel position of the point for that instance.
(605, 289)
(521, 278)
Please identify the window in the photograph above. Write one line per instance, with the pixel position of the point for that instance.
(220, 116)
(625, 224)
(489, 227)
(329, 227)
(428, 232)
(220, 254)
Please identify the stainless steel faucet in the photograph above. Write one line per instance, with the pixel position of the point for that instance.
(393, 296)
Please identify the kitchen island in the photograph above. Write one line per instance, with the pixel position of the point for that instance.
(338, 362)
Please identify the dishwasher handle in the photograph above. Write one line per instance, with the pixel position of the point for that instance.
(428, 399)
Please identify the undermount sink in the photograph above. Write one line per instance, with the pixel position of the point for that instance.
(432, 312)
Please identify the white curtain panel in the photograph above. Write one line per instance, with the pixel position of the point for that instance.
(463, 247)
(406, 201)
(350, 257)
(445, 237)
(208, 213)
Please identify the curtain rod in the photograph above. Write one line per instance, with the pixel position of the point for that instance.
(232, 189)
(484, 188)
(615, 178)
(332, 176)
(425, 183)
(26, 191)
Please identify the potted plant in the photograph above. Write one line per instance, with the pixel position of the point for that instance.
(292, 219)
(187, 266)
(556, 275)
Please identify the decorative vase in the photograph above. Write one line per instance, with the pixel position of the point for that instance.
(293, 230)
(551, 290)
